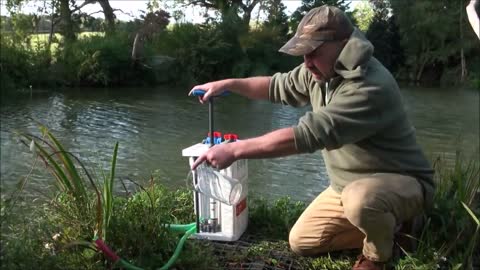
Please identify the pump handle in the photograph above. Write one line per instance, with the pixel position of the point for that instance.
(201, 92)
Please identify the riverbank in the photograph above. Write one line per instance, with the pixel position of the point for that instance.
(55, 227)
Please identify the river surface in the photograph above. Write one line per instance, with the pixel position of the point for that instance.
(152, 127)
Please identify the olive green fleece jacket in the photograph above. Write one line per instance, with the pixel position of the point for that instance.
(358, 119)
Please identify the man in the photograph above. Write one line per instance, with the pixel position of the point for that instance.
(378, 173)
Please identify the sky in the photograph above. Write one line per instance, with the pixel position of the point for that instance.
(132, 8)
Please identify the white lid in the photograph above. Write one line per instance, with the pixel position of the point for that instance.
(195, 150)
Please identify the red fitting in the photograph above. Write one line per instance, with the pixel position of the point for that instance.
(216, 134)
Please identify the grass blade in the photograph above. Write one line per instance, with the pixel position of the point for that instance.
(108, 192)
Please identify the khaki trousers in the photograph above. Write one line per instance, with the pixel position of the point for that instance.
(365, 214)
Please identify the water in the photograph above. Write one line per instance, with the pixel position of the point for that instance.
(152, 126)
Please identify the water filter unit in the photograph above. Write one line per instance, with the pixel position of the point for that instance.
(220, 197)
(222, 209)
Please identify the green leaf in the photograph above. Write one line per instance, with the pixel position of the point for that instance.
(470, 212)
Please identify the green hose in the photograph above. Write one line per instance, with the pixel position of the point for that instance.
(181, 227)
(188, 229)
(175, 255)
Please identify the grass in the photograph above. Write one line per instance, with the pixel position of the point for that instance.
(58, 231)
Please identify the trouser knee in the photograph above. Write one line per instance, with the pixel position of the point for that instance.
(357, 204)
(304, 246)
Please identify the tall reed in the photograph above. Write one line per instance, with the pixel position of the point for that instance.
(70, 173)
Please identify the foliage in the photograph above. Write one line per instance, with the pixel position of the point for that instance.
(100, 61)
(52, 236)
(274, 219)
(435, 39)
(154, 22)
(447, 239)
(307, 5)
(229, 9)
(198, 49)
(384, 35)
(363, 15)
(276, 20)
(15, 64)
(59, 234)
(22, 65)
(407, 37)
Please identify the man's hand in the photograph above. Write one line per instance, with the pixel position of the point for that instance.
(253, 88)
(212, 89)
(219, 156)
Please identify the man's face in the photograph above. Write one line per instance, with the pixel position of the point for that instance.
(320, 62)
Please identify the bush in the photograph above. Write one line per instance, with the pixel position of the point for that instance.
(101, 61)
(15, 65)
(200, 50)
(55, 236)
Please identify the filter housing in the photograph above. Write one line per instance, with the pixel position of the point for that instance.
(231, 220)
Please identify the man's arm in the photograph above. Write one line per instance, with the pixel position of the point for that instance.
(277, 143)
(253, 88)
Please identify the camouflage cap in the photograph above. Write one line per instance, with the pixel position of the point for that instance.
(325, 23)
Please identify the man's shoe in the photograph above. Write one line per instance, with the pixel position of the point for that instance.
(363, 263)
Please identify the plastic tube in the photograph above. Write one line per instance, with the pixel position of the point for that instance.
(179, 248)
(181, 227)
(188, 229)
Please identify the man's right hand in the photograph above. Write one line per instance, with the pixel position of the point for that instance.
(212, 89)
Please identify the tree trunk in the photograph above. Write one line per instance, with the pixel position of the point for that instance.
(463, 74)
(50, 35)
(109, 16)
(247, 14)
(423, 62)
(67, 27)
(137, 50)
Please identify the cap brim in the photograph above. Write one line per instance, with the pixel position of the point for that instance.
(297, 46)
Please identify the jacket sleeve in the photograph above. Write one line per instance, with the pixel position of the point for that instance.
(352, 115)
(290, 88)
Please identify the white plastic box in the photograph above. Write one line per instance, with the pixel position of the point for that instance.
(232, 219)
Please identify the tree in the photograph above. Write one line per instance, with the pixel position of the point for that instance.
(363, 15)
(151, 24)
(307, 5)
(65, 12)
(109, 16)
(241, 9)
(276, 20)
(108, 13)
(435, 36)
(67, 27)
(384, 35)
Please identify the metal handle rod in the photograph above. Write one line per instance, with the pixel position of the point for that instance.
(210, 120)
(197, 202)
